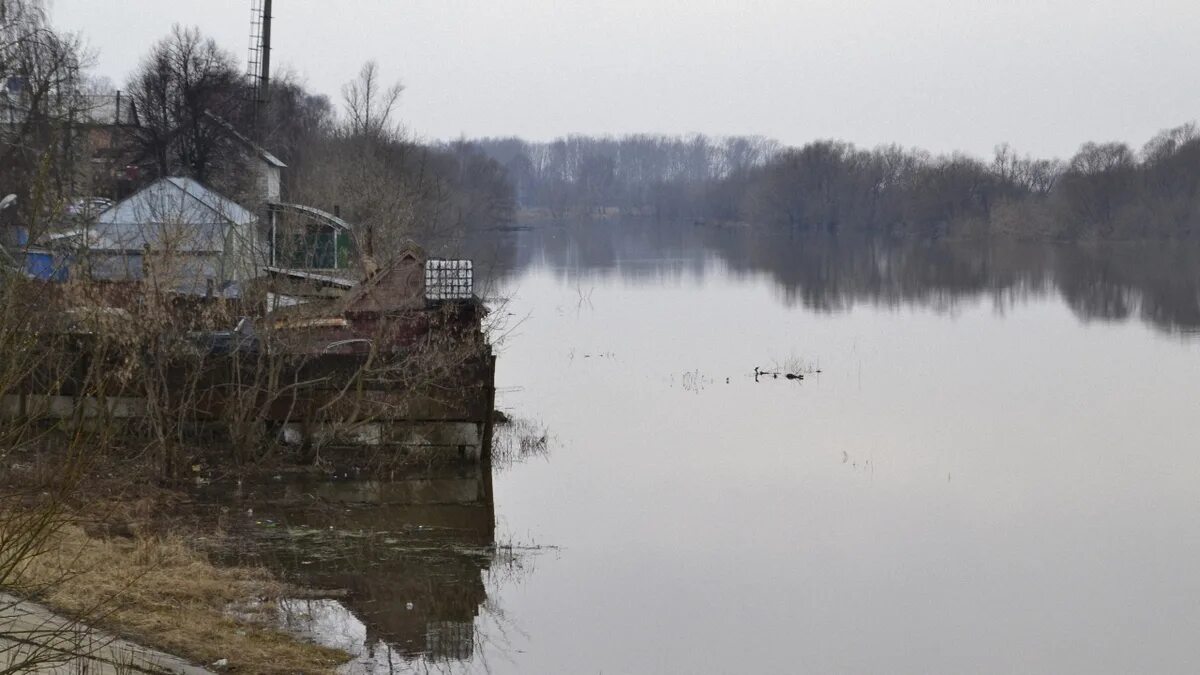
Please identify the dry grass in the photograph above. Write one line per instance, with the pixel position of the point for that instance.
(161, 592)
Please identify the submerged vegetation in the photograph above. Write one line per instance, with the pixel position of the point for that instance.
(519, 440)
(92, 538)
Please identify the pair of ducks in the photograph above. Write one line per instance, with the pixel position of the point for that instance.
(790, 376)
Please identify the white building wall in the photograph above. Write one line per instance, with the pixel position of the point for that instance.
(269, 181)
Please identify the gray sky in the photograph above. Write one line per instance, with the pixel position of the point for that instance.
(1044, 75)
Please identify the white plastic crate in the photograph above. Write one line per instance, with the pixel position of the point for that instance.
(449, 279)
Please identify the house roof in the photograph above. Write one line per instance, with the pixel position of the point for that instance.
(178, 198)
(367, 296)
(177, 212)
(239, 137)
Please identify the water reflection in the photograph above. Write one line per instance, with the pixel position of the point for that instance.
(400, 565)
(402, 571)
(1157, 282)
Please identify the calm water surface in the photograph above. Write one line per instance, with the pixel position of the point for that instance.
(995, 469)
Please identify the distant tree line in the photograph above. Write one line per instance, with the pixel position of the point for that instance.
(1106, 191)
(664, 176)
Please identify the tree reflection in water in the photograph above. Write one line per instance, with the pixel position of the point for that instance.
(1155, 281)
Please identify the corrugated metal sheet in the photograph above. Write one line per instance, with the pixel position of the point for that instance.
(177, 214)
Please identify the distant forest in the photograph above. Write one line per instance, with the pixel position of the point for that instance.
(1106, 191)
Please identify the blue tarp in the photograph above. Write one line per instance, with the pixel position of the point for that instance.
(41, 265)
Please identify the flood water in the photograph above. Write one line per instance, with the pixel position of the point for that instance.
(990, 466)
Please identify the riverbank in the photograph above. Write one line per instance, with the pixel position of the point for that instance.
(161, 591)
(33, 638)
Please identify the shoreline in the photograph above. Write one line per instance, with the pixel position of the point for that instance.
(163, 592)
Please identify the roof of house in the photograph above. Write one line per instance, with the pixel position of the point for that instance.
(367, 295)
(179, 213)
(239, 137)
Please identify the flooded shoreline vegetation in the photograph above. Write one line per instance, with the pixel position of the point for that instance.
(160, 591)
(1106, 191)
(519, 440)
(89, 536)
(160, 379)
(137, 382)
(86, 532)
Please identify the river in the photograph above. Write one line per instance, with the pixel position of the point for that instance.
(989, 466)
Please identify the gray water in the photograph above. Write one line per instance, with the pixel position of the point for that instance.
(990, 466)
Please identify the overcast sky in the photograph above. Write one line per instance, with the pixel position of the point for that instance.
(1044, 75)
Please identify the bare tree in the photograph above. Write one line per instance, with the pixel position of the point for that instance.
(184, 75)
(370, 105)
(42, 71)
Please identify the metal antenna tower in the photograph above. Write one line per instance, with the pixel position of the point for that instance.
(258, 66)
